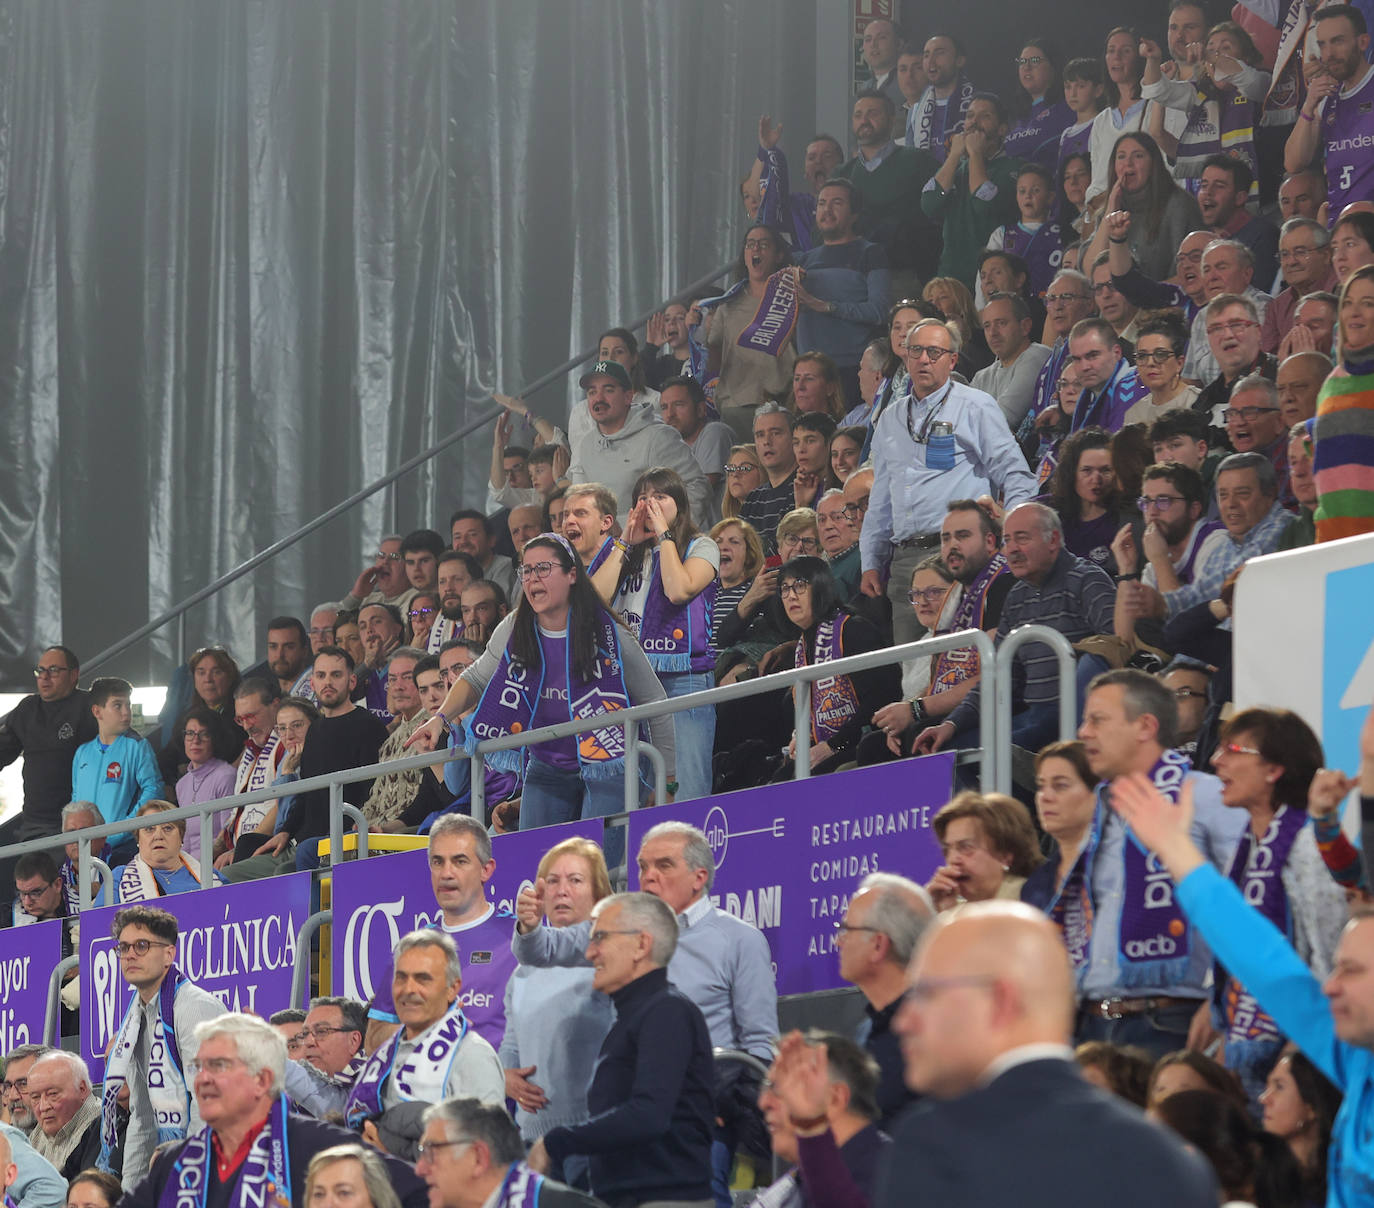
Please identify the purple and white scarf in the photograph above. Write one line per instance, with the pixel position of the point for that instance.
(1288, 89)
(1155, 937)
(443, 630)
(138, 883)
(513, 696)
(520, 1188)
(1257, 870)
(676, 637)
(423, 1075)
(834, 701)
(953, 667)
(955, 108)
(263, 1181)
(1072, 908)
(772, 325)
(167, 1089)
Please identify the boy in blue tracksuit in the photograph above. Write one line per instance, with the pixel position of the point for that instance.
(117, 769)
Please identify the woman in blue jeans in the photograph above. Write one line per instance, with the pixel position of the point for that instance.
(662, 581)
(560, 655)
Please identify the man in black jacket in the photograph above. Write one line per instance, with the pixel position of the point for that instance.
(650, 1099)
(238, 1161)
(471, 1151)
(985, 1031)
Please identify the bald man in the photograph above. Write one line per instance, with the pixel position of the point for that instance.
(985, 1033)
(524, 522)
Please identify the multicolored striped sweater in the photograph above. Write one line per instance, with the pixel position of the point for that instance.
(1343, 459)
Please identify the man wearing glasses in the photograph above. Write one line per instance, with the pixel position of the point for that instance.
(944, 441)
(253, 1150)
(384, 580)
(471, 1156)
(152, 1051)
(333, 1036)
(1254, 424)
(1068, 299)
(1233, 334)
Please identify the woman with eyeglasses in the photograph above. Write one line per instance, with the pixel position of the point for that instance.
(555, 1020)
(208, 775)
(348, 1176)
(989, 847)
(421, 614)
(295, 716)
(1039, 103)
(747, 371)
(826, 631)
(743, 472)
(161, 866)
(560, 655)
(1161, 343)
(661, 580)
(896, 725)
(1085, 495)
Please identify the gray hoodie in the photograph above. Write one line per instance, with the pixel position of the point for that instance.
(616, 461)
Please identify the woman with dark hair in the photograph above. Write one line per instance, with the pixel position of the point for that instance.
(1074, 174)
(1139, 183)
(1352, 244)
(989, 846)
(1121, 1069)
(214, 680)
(1188, 1070)
(846, 452)
(560, 655)
(93, 1189)
(749, 370)
(661, 580)
(209, 776)
(1066, 804)
(1085, 495)
(826, 630)
(1161, 342)
(1039, 103)
(1342, 465)
(1265, 760)
(1085, 93)
(1300, 1105)
(1251, 1166)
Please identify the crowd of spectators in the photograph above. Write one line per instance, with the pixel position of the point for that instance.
(1070, 357)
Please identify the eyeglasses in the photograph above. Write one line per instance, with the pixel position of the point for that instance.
(1297, 253)
(1158, 357)
(844, 928)
(920, 595)
(383, 556)
(1235, 327)
(1185, 693)
(855, 511)
(928, 987)
(191, 735)
(927, 352)
(1248, 414)
(1030, 61)
(757, 245)
(416, 613)
(324, 631)
(214, 1066)
(19, 1084)
(50, 669)
(745, 467)
(1234, 748)
(808, 545)
(600, 937)
(536, 570)
(1104, 287)
(299, 726)
(1157, 503)
(1189, 257)
(139, 947)
(322, 1031)
(1065, 299)
(793, 587)
(427, 1149)
(29, 895)
(244, 720)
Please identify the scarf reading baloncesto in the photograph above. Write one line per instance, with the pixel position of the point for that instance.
(834, 699)
(167, 1089)
(423, 1075)
(263, 1179)
(1257, 870)
(138, 883)
(513, 695)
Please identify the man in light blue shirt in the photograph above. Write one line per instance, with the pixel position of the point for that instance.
(1144, 991)
(916, 472)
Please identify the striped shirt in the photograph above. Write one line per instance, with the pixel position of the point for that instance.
(1343, 459)
(764, 506)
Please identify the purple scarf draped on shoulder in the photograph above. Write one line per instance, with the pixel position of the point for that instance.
(1155, 937)
(953, 667)
(677, 637)
(1257, 870)
(834, 701)
(512, 698)
(1072, 908)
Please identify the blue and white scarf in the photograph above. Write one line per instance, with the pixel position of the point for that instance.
(422, 1076)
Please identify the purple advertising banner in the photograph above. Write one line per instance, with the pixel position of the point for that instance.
(380, 899)
(789, 856)
(238, 942)
(28, 955)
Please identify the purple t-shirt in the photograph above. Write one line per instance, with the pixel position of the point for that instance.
(1041, 249)
(1036, 136)
(1076, 140)
(1348, 136)
(487, 961)
(1092, 539)
(553, 704)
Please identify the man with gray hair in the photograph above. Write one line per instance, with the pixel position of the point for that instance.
(720, 962)
(1227, 267)
(489, 1171)
(652, 1112)
(14, 1090)
(1053, 588)
(875, 939)
(434, 1055)
(253, 1150)
(1304, 268)
(68, 1113)
(332, 1035)
(926, 453)
(1254, 424)
(1233, 331)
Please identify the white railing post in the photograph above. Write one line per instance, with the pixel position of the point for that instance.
(801, 722)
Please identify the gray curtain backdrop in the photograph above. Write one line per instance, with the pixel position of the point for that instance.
(253, 253)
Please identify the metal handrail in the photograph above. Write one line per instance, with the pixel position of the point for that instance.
(300, 971)
(1025, 635)
(177, 611)
(52, 1013)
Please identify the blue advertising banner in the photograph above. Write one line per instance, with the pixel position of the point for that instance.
(380, 899)
(789, 856)
(28, 955)
(238, 942)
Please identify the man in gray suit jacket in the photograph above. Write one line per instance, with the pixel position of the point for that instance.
(985, 1035)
